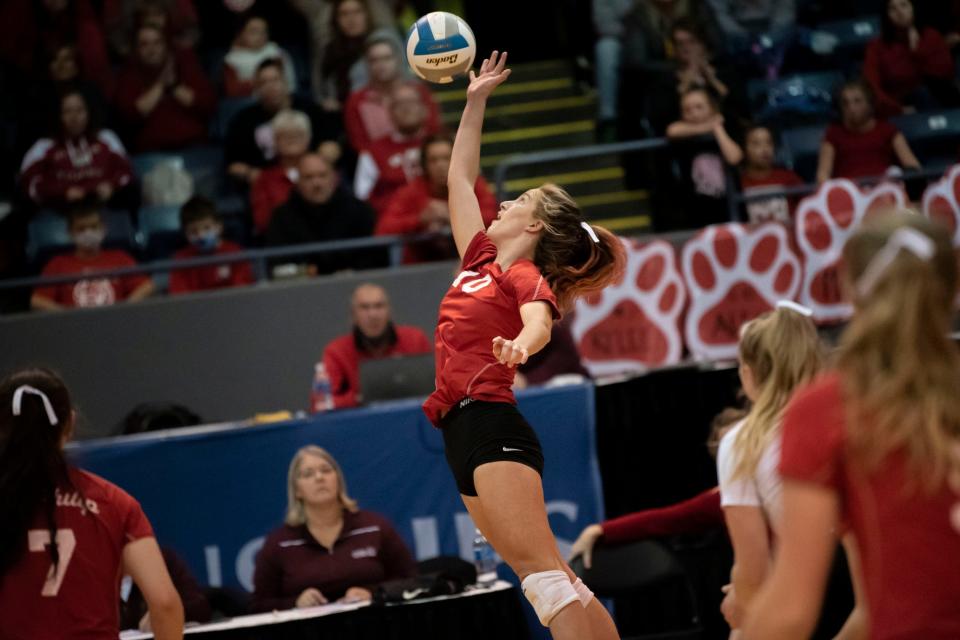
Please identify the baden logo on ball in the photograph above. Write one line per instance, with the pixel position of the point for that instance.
(440, 46)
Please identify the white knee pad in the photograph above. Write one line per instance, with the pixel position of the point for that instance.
(549, 592)
(583, 592)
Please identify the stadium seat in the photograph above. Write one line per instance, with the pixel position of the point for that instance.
(933, 135)
(630, 569)
(852, 35)
(799, 99)
(203, 163)
(159, 229)
(801, 147)
(226, 109)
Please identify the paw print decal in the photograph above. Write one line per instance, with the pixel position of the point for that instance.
(941, 202)
(634, 324)
(734, 273)
(823, 222)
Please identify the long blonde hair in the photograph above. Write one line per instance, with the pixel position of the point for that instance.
(900, 369)
(295, 511)
(783, 351)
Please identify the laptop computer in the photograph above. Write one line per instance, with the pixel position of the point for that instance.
(396, 377)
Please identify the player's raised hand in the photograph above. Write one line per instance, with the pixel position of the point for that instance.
(509, 352)
(493, 72)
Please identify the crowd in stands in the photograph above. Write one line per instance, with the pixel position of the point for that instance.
(113, 99)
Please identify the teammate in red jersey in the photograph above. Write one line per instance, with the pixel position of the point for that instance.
(874, 446)
(67, 535)
(537, 256)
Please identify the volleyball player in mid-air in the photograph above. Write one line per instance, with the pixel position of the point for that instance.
(65, 534)
(534, 260)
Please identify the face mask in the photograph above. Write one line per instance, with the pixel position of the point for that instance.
(206, 241)
(89, 239)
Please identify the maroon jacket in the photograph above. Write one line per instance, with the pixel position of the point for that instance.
(368, 552)
(170, 125)
(696, 515)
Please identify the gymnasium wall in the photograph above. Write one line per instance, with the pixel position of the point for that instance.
(225, 355)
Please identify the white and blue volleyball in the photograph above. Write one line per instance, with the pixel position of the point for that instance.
(440, 46)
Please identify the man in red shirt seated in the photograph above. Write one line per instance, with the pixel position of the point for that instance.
(88, 231)
(374, 336)
(421, 206)
(203, 229)
(393, 161)
(366, 114)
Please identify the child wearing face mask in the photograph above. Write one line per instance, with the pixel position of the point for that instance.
(759, 173)
(202, 227)
(251, 46)
(88, 231)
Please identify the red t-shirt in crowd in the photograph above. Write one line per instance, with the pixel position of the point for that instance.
(366, 115)
(219, 276)
(909, 547)
(270, 190)
(778, 208)
(95, 521)
(862, 154)
(482, 303)
(342, 358)
(402, 214)
(93, 292)
(894, 70)
(367, 552)
(385, 167)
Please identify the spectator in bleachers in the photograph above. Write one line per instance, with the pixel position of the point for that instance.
(756, 33)
(88, 231)
(421, 206)
(40, 111)
(291, 133)
(366, 114)
(861, 144)
(177, 19)
(760, 173)
(251, 46)
(374, 336)
(703, 149)
(393, 161)
(909, 67)
(320, 14)
(163, 95)
(31, 31)
(203, 229)
(319, 210)
(81, 161)
(328, 549)
(249, 142)
(344, 69)
(649, 28)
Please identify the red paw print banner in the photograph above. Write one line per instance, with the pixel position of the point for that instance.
(823, 223)
(634, 324)
(941, 202)
(734, 273)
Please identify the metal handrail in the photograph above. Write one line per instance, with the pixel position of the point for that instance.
(394, 243)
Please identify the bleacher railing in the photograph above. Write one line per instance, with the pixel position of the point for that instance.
(259, 258)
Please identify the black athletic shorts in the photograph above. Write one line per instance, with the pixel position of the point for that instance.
(476, 432)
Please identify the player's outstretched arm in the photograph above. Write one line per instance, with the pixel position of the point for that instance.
(465, 215)
(143, 562)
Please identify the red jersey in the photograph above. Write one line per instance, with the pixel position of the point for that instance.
(777, 208)
(366, 115)
(270, 190)
(95, 292)
(385, 167)
(862, 154)
(95, 521)
(909, 549)
(342, 358)
(235, 274)
(482, 303)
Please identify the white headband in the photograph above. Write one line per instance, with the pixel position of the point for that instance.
(796, 307)
(907, 238)
(593, 234)
(18, 402)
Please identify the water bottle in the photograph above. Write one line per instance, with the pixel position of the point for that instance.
(485, 559)
(321, 398)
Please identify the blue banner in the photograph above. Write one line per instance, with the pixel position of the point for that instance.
(213, 493)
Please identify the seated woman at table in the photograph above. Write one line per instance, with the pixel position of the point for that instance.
(328, 548)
